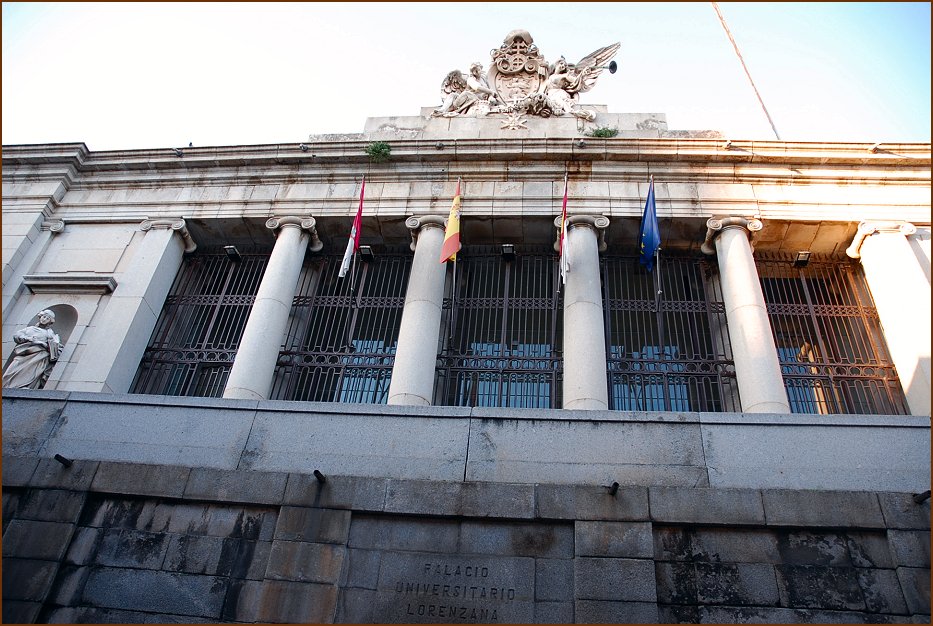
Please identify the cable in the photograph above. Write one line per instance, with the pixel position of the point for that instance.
(722, 21)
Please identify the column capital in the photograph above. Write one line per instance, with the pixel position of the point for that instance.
(176, 224)
(596, 223)
(715, 226)
(303, 223)
(416, 223)
(869, 228)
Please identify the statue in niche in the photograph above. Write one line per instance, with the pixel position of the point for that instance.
(520, 81)
(37, 349)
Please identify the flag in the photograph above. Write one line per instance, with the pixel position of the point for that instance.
(354, 244)
(650, 236)
(452, 234)
(564, 241)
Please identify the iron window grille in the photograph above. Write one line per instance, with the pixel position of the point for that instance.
(198, 331)
(828, 336)
(667, 351)
(501, 330)
(342, 333)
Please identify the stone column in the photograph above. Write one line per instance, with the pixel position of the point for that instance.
(757, 369)
(901, 293)
(416, 354)
(117, 342)
(585, 378)
(254, 366)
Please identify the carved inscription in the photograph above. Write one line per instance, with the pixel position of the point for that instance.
(449, 591)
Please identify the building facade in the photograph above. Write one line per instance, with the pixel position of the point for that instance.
(737, 435)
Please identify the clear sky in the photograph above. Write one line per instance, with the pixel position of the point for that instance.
(154, 75)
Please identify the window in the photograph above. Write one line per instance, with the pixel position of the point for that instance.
(668, 347)
(198, 332)
(501, 330)
(828, 337)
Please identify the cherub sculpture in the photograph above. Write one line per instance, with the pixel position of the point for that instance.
(565, 82)
(462, 95)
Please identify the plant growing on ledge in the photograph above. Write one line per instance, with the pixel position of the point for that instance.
(379, 151)
(603, 131)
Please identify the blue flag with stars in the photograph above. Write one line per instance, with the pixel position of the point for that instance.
(650, 236)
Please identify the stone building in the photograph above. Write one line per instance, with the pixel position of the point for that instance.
(232, 432)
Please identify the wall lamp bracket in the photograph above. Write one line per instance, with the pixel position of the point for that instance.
(232, 253)
(613, 488)
(63, 460)
(802, 259)
(320, 477)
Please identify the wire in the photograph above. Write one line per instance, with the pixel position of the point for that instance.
(722, 21)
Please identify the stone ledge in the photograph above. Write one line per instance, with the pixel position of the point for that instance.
(706, 506)
(137, 479)
(235, 486)
(18, 470)
(846, 509)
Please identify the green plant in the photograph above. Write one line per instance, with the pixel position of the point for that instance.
(379, 151)
(604, 132)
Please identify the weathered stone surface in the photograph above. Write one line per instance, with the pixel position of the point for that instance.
(362, 569)
(115, 513)
(50, 505)
(614, 579)
(517, 539)
(17, 470)
(132, 548)
(194, 432)
(592, 503)
(192, 554)
(594, 612)
(305, 562)
(355, 606)
(156, 592)
(745, 615)
(314, 525)
(511, 450)
(705, 506)
(882, 591)
(18, 612)
(404, 534)
(900, 511)
(677, 614)
(676, 583)
(822, 508)
(292, 602)
(52, 474)
(818, 587)
(36, 540)
(458, 498)
(736, 584)
(869, 549)
(233, 486)
(616, 539)
(911, 548)
(241, 522)
(339, 492)
(553, 613)
(735, 545)
(554, 580)
(28, 422)
(69, 585)
(26, 579)
(83, 546)
(244, 558)
(145, 480)
(915, 583)
(813, 548)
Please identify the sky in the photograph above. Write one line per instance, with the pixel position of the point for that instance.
(156, 75)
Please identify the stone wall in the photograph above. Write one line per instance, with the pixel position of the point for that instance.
(104, 541)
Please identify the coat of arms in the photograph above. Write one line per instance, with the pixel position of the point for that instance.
(521, 81)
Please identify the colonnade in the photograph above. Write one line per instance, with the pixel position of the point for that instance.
(758, 372)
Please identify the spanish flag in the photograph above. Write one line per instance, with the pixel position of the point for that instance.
(452, 235)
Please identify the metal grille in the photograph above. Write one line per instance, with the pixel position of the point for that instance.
(503, 343)
(196, 337)
(667, 351)
(829, 340)
(340, 345)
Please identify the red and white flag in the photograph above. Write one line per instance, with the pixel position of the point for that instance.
(354, 244)
(564, 241)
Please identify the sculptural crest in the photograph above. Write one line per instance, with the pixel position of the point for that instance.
(520, 81)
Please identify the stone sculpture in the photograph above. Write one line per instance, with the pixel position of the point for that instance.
(520, 82)
(37, 349)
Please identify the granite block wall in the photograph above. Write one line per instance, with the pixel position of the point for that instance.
(111, 542)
